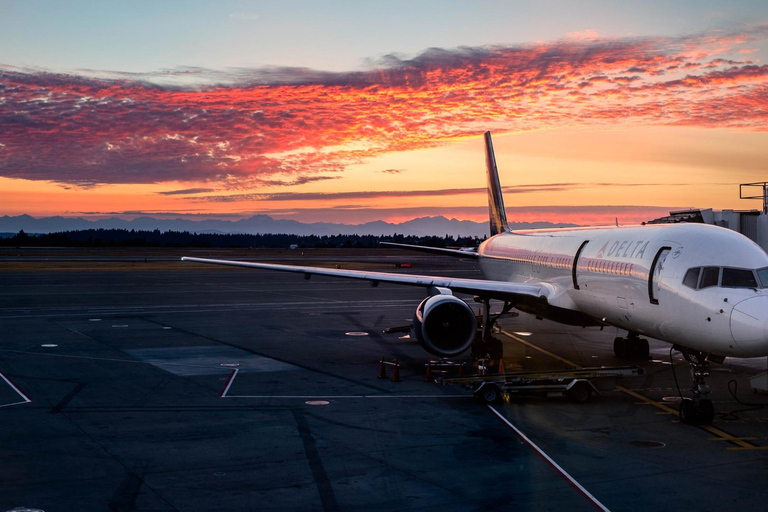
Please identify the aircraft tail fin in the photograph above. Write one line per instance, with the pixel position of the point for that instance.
(496, 212)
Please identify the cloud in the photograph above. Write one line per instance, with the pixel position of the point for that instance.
(186, 191)
(239, 128)
(392, 171)
(370, 194)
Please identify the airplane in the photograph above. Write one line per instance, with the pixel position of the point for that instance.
(701, 288)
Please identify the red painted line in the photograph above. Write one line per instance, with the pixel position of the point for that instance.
(228, 384)
(554, 465)
(16, 389)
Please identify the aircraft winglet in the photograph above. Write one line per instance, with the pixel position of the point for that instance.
(496, 212)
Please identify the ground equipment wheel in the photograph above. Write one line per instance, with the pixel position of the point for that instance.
(580, 393)
(490, 394)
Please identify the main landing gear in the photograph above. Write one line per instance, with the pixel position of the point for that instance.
(485, 345)
(698, 410)
(631, 347)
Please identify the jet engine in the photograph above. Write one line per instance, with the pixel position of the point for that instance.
(444, 325)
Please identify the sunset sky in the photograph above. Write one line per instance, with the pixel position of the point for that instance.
(354, 111)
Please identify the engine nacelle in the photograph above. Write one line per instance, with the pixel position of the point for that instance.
(444, 325)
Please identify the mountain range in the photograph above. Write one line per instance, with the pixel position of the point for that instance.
(260, 224)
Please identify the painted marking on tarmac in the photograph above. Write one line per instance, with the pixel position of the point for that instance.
(24, 397)
(228, 385)
(224, 391)
(543, 351)
(740, 442)
(551, 462)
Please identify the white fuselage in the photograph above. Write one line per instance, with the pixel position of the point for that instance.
(632, 278)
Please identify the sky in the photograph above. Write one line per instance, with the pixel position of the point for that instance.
(359, 111)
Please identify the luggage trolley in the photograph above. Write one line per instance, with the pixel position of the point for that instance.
(576, 384)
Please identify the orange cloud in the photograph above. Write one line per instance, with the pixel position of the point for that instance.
(250, 125)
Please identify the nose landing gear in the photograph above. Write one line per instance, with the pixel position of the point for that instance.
(698, 410)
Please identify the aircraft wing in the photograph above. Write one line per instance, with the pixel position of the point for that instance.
(434, 250)
(501, 290)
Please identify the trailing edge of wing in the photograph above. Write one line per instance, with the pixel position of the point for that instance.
(434, 250)
(490, 289)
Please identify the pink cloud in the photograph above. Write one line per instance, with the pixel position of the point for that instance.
(85, 129)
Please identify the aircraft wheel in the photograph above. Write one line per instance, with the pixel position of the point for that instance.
(706, 412)
(620, 348)
(490, 394)
(637, 349)
(495, 348)
(688, 411)
(643, 350)
(479, 348)
(580, 393)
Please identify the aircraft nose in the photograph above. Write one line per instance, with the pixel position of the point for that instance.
(749, 326)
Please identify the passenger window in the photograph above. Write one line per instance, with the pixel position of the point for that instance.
(709, 277)
(692, 277)
(738, 278)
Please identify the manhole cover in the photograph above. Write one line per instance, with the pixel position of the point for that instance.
(49, 345)
(648, 444)
(317, 402)
(356, 333)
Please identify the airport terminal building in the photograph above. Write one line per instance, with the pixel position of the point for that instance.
(750, 223)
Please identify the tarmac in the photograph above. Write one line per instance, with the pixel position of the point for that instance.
(193, 388)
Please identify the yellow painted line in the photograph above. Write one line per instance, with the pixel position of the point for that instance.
(665, 410)
(543, 351)
(741, 442)
(728, 437)
(647, 401)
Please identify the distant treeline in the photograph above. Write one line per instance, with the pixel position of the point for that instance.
(156, 238)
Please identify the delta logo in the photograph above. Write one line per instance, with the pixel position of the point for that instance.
(623, 249)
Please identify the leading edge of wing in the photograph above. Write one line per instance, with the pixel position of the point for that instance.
(434, 250)
(490, 289)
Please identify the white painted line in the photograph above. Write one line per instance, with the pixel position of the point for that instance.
(334, 397)
(15, 403)
(551, 462)
(17, 390)
(229, 383)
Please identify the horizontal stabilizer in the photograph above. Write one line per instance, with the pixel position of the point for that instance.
(458, 253)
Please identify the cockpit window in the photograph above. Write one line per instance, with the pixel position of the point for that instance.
(762, 274)
(738, 278)
(691, 278)
(709, 277)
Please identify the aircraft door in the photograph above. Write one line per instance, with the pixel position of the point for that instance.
(656, 275)
(576, 264)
